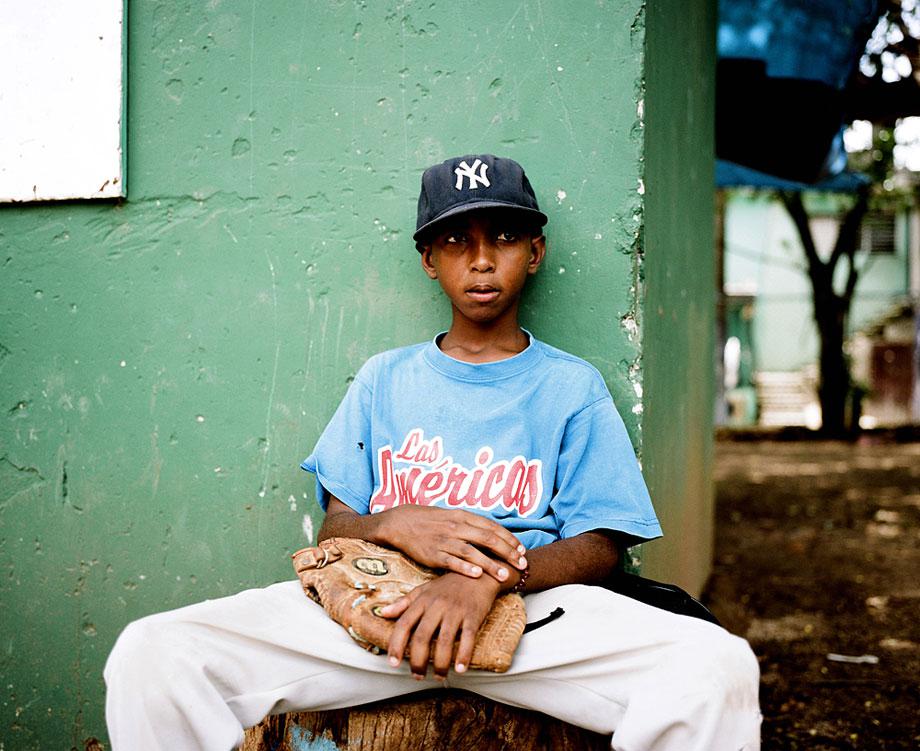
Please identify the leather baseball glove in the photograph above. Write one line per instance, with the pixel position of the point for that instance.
(352, 579)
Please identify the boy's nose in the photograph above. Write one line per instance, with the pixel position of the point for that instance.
(483, 255)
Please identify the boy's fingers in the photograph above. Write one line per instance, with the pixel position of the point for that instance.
(463, 558)
(399, 639)
(460, 566)
(420, 644)
(472, 562)
(473, 537)
(444, 646)
(465, 648)
(499, 570)
(489, 526)
(396, 609)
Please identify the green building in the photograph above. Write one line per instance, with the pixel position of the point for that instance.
(167, 360)
(769, 310)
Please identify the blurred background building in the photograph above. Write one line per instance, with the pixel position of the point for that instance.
(771, 345)
(816, 121)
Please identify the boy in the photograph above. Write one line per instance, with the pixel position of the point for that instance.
(497, 459)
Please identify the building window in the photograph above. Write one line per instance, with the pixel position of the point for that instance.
(62, 98)
(878, 233)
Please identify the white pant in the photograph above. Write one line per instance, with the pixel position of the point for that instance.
(193, 678)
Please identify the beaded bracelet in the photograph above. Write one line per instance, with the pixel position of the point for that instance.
(519, 587)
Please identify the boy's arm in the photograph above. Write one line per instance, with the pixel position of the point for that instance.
(453, 607)
(448, 539)
(588, 558)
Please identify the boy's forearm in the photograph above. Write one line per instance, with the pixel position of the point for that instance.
(448, 539)
(588, 558)
(345, 524)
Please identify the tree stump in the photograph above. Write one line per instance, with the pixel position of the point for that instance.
(435, 719)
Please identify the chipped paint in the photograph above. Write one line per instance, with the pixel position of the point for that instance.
(630, 326)
(301, 739)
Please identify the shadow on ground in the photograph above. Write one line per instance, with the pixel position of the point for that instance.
(818, 561)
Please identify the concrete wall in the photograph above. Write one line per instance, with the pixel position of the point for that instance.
(678, 279)
(167, 362)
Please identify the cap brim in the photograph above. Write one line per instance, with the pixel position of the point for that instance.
(426, 229)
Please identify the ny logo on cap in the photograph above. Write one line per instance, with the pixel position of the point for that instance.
(464, 170)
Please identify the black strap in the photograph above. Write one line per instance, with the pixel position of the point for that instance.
(557, 613)
(658, 594)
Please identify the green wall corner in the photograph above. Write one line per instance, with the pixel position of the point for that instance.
(679, 288)
(167, 362)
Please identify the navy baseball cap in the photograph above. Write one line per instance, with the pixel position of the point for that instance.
(467, 183)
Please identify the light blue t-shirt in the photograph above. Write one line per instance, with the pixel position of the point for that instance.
(533, 441)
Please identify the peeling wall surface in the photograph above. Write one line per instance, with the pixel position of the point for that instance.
(167, 362)
(679, 289)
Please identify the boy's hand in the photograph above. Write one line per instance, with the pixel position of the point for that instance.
(453, 540)
(451, 606)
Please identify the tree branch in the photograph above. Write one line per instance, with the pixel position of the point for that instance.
(853, 274)
(848, 235)
(796, 209)
(852, 279)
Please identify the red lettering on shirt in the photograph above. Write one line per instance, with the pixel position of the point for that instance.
(429, 478)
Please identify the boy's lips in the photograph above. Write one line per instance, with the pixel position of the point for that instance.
(482, 292)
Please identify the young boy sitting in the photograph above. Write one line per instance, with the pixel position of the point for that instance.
(496, 459)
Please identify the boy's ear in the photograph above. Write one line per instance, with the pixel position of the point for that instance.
(427, 265)
(537, 253)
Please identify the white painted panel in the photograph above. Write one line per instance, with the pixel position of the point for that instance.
(61, 99)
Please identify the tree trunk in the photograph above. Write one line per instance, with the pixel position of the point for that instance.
(831, 309)
(834, 383)
(436, 719)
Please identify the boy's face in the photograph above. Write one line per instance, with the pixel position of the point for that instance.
(482, 260)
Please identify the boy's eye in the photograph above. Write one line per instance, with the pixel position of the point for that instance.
(508, 236)
(453, 238)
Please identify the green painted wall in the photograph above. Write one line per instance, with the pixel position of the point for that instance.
(679, 287)
(166, 363)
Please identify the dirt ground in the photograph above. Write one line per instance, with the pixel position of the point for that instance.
(817, 563)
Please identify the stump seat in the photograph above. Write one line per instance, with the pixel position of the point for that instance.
(425, 721)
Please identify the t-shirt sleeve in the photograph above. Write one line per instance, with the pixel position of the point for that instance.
(342, 458)
(598, 481)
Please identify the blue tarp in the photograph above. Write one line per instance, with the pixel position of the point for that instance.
(816, 40)
(731, 175)
(783, 67)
